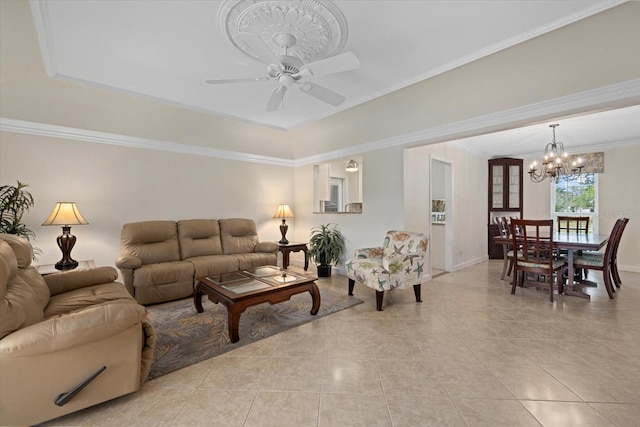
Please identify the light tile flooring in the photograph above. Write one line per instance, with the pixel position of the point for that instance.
(471, 354)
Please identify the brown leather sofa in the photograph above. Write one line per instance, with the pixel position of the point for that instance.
(160, 260)
(58, 331)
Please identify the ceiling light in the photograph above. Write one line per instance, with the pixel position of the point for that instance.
(555, 163)
(352, 166)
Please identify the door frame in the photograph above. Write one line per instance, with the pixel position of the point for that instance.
(449, 225)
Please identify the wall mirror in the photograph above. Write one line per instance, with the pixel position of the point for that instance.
(337, 186)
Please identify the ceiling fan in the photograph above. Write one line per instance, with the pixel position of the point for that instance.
(289, 71)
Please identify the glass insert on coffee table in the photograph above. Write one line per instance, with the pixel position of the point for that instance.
(241, 289)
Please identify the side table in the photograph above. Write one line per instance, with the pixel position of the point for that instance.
(287, 248)
(51, 268)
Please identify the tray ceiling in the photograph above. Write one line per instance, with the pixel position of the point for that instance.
(165, 50)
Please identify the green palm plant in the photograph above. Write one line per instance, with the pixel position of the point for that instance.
(325, 247)
(15, 201)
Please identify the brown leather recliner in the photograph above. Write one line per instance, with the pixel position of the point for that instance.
(68, 340)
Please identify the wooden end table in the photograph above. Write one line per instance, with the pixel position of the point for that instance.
(287, 248)
(242, 289)
(45, 269)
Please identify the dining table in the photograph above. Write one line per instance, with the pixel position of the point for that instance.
(572, 242)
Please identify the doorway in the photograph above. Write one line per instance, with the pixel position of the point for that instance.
(441, 218)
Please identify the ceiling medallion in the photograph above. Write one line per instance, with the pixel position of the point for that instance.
(309, 30)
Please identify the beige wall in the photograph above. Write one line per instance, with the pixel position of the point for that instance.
(114, 185)
(382, 203)
(468, 213)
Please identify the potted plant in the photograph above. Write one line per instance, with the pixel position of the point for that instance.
(15, 201)
(325, 247)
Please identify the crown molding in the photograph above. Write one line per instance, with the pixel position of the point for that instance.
(55, 131)
(626, 92)
(43, 31)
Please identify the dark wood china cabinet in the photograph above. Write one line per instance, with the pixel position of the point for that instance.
(505, 196)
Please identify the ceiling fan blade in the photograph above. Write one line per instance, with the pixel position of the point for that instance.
(322, 93)
(276, 98)
(260, 48)
(334, 64)
(243, 80)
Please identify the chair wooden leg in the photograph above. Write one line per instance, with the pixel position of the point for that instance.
(510, 268)
(606, 275)
(558, 278)
(416, 291)
(504, 267)
(351, 284)
(615, 274)
(514, 280)
(379, 296)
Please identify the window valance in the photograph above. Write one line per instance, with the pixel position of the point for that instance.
(593, 162)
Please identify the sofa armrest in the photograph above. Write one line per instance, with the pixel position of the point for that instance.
(66, 281)
(128, 261)
(368, 252)
(266, 247)
(73, 329)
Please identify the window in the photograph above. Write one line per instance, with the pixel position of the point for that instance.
(577, 196)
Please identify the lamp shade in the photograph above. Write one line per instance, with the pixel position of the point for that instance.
(283, 211)
(352, 166)
(65, 213)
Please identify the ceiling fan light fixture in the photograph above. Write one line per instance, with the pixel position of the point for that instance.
(352, 166)
(309, 30)
(296, 39)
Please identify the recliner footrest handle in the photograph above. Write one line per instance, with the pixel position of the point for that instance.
(64, 398)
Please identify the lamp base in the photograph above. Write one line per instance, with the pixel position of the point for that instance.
(66, 265)
(66, 241)
(283, 230)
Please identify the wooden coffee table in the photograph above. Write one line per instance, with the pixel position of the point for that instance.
(242, 289)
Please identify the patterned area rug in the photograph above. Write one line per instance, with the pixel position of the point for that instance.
(186, 337)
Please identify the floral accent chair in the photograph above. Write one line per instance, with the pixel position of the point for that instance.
(399, 263)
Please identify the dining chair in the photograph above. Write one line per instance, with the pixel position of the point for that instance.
(614, 261)
(533, 244)
(605, 262)
(579, 224)
(507, 252)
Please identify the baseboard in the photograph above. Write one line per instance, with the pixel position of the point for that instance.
(470, 263)
(629, 268)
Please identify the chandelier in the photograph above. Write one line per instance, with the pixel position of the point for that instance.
(556, 163)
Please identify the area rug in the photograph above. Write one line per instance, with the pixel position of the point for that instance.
(186, 337)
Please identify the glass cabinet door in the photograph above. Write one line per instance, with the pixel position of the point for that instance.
(514, 187)
(497, 196)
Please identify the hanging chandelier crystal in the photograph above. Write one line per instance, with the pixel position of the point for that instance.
(556, 163)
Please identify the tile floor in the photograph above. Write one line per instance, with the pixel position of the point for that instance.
(471, 354)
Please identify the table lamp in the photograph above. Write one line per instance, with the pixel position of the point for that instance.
(66, 214)
(283, 211)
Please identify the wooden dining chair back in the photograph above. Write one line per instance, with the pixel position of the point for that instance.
(605, 262)
(507, 252)
(574, 224)
(535, 248)
(577, 224)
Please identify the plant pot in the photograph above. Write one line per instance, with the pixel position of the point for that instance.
(324, 271)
